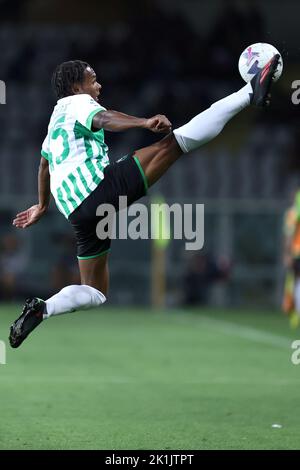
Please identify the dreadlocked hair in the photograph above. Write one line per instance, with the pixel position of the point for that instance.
(65, 75)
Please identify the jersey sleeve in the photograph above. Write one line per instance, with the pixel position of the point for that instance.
(45, 148)
(85, 108)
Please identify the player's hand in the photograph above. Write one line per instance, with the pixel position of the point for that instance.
(159, 123)
(29, 217)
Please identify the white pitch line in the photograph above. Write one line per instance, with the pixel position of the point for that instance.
(247, 332)
(147, 381)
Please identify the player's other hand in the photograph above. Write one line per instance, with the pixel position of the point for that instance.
(29, 217)
(159, 123)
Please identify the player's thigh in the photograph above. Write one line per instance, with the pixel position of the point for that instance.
(94, 272)
(157, 158)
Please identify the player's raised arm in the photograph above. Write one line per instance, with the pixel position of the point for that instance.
(115, 121)
(34, 213)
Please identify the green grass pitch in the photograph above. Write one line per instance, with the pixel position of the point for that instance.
(135, 379)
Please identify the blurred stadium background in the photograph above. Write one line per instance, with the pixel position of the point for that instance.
(174, 58)
(170, 58)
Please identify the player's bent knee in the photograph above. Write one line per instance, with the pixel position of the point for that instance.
(85, 296)
(169, 142)
(97, 297)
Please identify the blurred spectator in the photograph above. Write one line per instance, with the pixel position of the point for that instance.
(291, 261)
(202, 271)
(13, 262)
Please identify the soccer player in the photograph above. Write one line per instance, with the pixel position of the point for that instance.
(291, 261)
(75, 168)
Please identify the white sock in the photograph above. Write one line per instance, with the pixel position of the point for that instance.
(207, 125)
(297, 296)
(71, 298)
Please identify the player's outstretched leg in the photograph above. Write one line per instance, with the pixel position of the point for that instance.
(157, 158)
(210, 123)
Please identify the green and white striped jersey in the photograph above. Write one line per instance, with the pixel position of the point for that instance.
(77, 156)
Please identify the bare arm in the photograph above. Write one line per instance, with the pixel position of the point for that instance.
(33, 214)
(116, 122)
(44, 184)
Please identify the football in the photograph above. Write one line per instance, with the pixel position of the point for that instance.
(255, 57)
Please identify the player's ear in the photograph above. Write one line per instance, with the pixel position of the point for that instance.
(76, 88)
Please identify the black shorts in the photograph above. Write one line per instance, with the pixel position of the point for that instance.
(122, 178)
